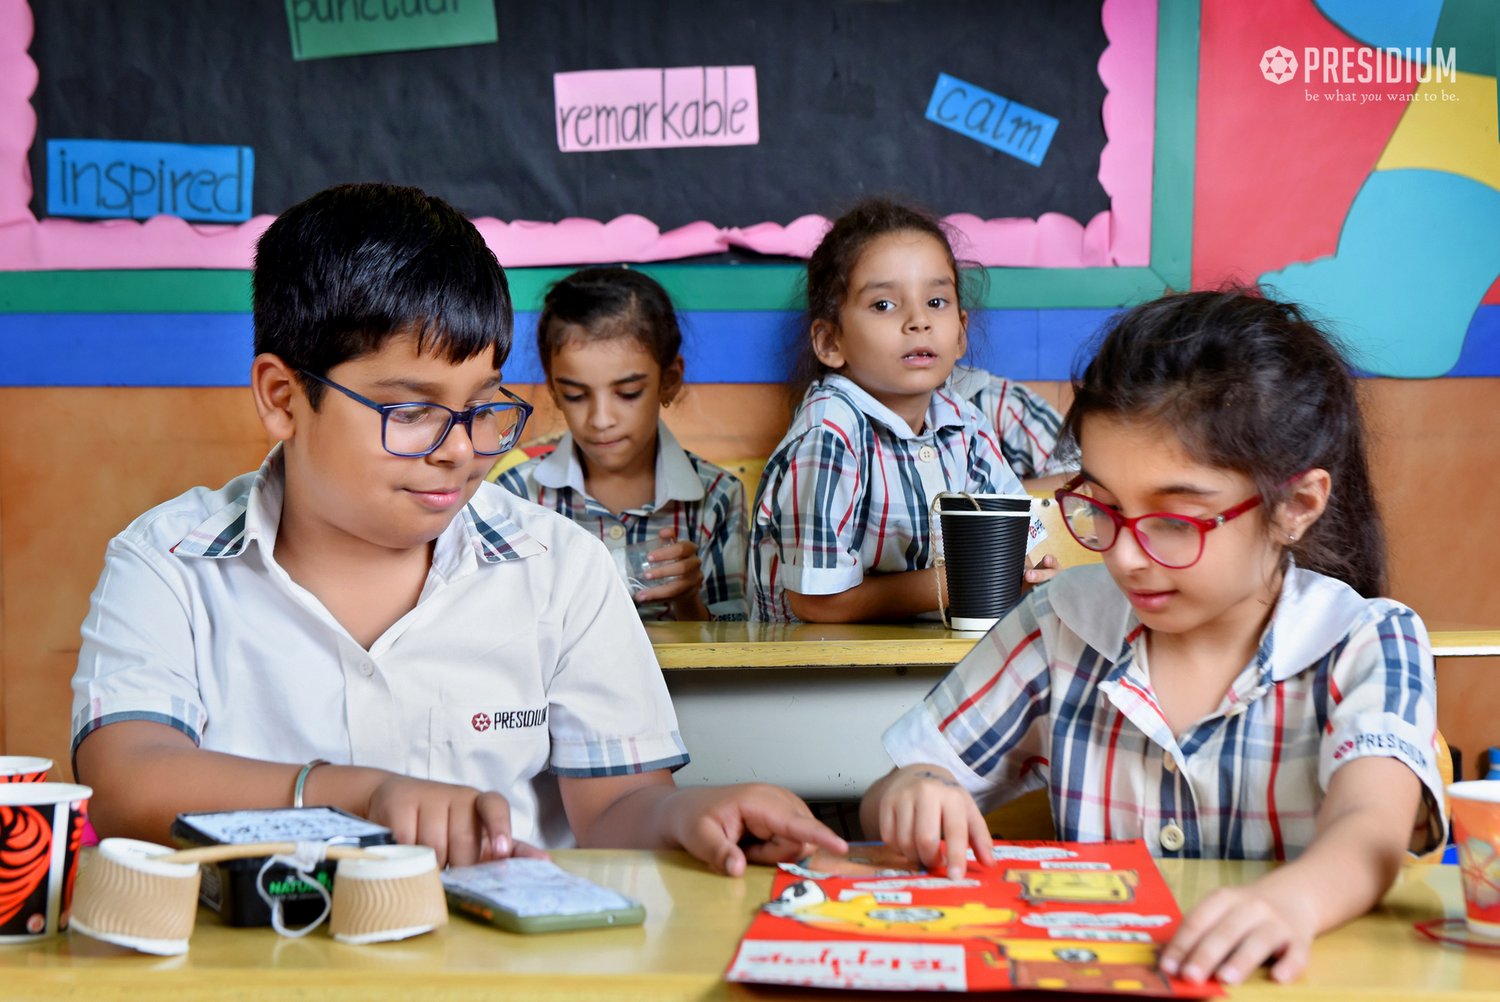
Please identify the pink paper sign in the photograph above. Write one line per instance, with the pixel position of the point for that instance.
(642, 109)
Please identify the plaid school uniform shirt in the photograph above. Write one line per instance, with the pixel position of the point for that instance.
(1058, 695)
(848, 491)
(521, 661)
(1028, 426)
(699, 501)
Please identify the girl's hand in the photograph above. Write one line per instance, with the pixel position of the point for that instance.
(683, 594)
(1044, 570)
(729, 826)
(462, 824)
(929, 817)
(1236, 929)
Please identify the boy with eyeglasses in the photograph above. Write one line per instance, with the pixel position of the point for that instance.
(364, 622)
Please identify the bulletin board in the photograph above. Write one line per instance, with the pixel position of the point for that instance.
(1103, 221)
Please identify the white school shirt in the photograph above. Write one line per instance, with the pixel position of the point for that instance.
(701, 502)
(848, 491)
(1058, 695)
(522, 660)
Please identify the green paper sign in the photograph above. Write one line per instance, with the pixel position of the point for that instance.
(324, 28)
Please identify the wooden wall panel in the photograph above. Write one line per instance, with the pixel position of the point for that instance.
(76, 465)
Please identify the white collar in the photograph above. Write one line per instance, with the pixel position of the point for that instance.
(944, 409)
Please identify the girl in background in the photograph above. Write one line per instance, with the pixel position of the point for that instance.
(610, 345)
(1227, 684)
(1025, 423)
(841, 526)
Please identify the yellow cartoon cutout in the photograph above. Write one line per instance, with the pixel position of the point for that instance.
(876, 914)
(1076, 886)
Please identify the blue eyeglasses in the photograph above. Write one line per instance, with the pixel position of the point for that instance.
(419, 429)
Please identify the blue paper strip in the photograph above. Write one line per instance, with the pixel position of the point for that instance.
(995, 121)
(112, 179)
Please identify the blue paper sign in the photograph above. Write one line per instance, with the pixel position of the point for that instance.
(112, 179)
(995, 121)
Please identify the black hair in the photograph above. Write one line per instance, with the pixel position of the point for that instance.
(342, 272)
(608, 303)
(829, 268)
(1248, 384)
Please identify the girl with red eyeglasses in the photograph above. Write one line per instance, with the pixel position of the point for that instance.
(1228, 683)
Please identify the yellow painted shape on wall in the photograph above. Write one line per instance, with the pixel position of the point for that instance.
(1456, 131)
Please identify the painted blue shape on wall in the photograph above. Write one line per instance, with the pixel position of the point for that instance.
(1418, 251)
(1395, 24)
(1481, 354)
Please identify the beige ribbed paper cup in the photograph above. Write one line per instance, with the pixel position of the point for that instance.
(394, 894)
(41, 829)
(24, 768)
(130, 896)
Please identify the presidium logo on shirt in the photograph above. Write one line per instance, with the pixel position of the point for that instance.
(508, 720)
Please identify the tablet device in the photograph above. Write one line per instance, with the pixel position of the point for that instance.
(535, 895)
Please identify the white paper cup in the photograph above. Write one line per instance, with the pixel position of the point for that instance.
(41, 829)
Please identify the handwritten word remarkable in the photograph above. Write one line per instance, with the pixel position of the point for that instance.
(324, 28)
(995, 121)
(106, 178)
(641, 109)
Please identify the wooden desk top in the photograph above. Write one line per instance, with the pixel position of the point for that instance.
(694, 920)
(847, 645)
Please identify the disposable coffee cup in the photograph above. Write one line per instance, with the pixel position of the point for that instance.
(984, 555)
(24, 768)
(41, 829)
(1476, 830)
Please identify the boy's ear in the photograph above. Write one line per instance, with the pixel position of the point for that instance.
(825, 342)
(273, 384)
(1305, 503)
(671, 380)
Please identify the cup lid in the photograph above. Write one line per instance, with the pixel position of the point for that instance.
(1483, 790)
(37, 794)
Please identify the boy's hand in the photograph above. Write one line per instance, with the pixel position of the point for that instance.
(714, 823)
(929, 817)
(460, 823)
(678, 561)
(1236, 929)
(1044, 570)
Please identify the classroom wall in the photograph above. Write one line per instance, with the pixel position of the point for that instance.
(77, 464)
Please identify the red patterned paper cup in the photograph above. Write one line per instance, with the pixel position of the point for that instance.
(24, 768)
(41, 829)
(1476, 830)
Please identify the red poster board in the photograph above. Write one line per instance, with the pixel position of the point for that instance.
(1047, 915)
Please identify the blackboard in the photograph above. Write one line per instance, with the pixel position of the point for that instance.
(843, 85)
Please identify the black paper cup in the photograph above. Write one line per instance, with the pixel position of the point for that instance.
(984, 554)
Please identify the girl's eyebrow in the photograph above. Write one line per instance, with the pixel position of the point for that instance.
(890, 283)
(1165, 490)
(634, 377)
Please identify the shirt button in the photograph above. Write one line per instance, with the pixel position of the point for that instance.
(367, 668)
(616, 531)
(926, 454)
(1169, 763)
(1171, 837)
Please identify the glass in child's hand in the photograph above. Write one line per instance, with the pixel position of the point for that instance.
(635, 561)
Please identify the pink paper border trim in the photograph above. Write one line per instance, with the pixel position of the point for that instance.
(1119, 237)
